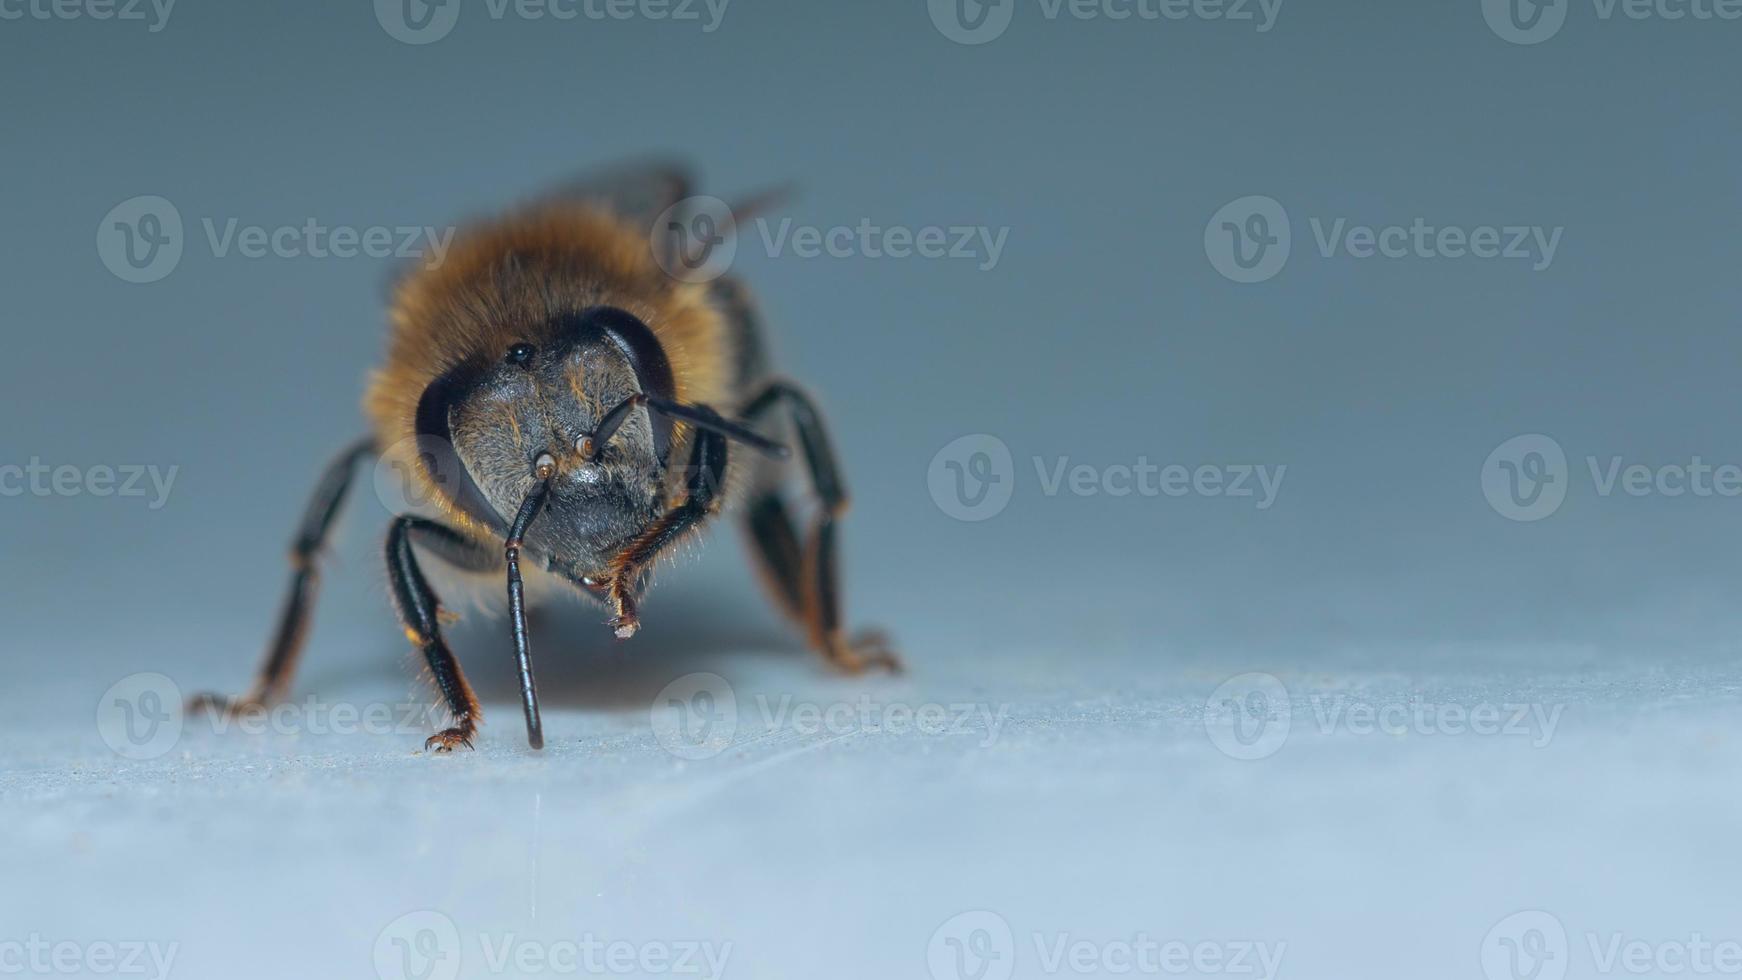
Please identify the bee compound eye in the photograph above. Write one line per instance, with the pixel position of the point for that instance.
(544, 467)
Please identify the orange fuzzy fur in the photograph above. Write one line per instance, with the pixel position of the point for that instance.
(502, 279)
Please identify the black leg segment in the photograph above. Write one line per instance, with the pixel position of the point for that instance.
(293, 621)
(804, 579)
(419, 612)
(704, 482)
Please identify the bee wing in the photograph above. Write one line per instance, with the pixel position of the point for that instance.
(636, 191)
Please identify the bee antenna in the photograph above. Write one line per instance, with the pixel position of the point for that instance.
(517, 608)
(698, 415)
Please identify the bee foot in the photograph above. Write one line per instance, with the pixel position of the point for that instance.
(449, 739)
(625, 626)
(626, 621)
(867, 650)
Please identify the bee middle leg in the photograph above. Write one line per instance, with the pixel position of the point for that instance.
(420, 614)
(803, 577)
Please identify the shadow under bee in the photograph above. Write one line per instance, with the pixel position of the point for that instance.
(583, 667)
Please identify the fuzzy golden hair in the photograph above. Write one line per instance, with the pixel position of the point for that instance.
(502, 280)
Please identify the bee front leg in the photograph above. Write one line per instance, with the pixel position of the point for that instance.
(293, 622)
(804, 577)
(704, 481)
(420, 613)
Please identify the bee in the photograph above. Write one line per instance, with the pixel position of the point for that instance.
(571, 409)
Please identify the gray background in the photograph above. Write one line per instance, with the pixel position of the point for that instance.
(1103, 334)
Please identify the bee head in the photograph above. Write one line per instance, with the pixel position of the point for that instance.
(534, 412)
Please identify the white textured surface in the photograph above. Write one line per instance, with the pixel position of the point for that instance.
(1100, 812)
(1104, 336)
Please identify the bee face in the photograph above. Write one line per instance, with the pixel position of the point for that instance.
(535, 408)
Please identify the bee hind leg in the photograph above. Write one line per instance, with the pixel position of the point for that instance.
(293, 622)
(804, 578)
